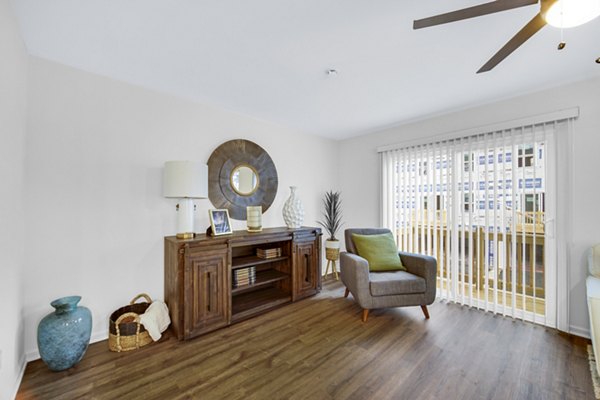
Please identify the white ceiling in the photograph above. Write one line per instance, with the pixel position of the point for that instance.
(267, 58)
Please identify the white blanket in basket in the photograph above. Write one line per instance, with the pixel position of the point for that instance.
(156, 319)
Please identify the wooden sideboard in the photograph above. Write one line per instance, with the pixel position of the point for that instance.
(199, 288)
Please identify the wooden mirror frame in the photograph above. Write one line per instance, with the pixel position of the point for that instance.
(221, 164)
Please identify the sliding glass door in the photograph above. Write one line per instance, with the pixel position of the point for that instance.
(484, 206)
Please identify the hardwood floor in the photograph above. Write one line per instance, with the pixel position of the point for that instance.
(318, 348)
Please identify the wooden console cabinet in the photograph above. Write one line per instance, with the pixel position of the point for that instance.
(199, 288)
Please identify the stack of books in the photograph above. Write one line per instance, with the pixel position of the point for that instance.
(269, 253)
(244, 276)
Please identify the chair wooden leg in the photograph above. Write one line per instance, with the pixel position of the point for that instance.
(424, 308)
(365, 315)
(347, 292)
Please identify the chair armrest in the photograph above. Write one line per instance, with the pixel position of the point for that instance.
(426, 268)
(420, 265)
(354, 272)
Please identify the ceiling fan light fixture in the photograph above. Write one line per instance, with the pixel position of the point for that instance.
(598, 60)
(570, 13)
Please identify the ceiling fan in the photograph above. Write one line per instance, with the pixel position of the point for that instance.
(558, 13)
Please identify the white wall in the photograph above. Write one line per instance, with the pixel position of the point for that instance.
(13, 89)
(359, 164)
(95, 151)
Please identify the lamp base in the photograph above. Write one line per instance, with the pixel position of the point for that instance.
(185, 219)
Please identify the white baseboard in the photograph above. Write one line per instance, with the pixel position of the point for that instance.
(22, 366)
(579, 331)
(34, 354)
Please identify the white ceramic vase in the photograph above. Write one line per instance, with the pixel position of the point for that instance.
(293, 210)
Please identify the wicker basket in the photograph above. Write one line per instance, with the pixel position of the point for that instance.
(332, 254)
(125, 331)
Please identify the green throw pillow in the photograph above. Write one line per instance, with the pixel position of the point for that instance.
(380, 251)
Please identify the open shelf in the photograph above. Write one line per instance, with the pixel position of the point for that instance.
(263, 278)
(248, 261)
(246, 305)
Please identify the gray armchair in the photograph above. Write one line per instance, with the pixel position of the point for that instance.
(414, 287)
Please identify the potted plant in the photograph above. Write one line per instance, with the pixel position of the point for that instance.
(332, 222)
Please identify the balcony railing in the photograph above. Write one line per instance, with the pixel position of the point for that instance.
(530, 221)
(507, 258)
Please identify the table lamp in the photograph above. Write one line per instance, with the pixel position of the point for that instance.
(185, 180)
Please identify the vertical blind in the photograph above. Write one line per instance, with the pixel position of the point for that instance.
(484, 206)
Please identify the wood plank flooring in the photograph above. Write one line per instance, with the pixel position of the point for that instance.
(318, 348)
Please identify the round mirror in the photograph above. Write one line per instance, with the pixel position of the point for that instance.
(241, 174)
(244, 180)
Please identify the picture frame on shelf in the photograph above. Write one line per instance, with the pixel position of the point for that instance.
(220, 222)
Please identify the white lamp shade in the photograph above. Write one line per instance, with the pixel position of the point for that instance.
(185, 179)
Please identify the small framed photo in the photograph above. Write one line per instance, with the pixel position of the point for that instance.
(219, 222)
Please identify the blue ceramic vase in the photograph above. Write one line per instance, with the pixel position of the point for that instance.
(64, 336)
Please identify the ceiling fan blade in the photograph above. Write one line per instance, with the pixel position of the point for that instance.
(471, 12)
(537, 23)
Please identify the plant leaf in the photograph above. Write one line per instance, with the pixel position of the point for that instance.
(332, 213)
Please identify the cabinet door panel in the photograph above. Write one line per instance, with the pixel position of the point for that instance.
(305, 269)
(207, 292)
